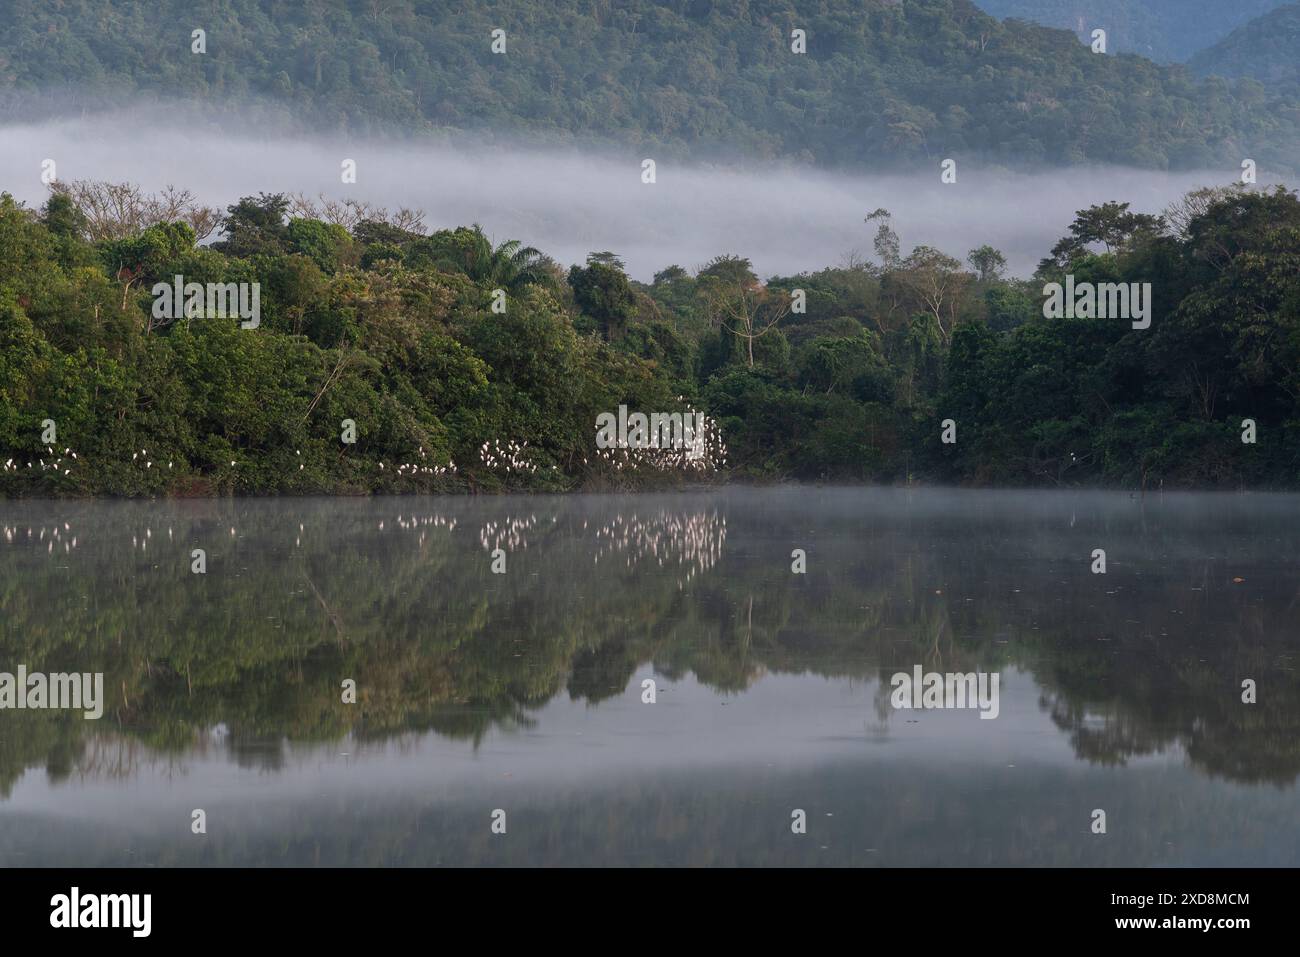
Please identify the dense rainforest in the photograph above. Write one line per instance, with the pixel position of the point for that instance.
(468, 365)
(881, 83)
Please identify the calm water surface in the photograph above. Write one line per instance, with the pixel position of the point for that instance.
(523, 691)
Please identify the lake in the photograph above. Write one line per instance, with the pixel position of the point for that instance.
(519, 701)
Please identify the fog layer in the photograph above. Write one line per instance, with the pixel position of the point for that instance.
(569, 203)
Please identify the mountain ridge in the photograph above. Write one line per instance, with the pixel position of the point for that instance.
(1167, 31)
(1265, 49)
(894, 83)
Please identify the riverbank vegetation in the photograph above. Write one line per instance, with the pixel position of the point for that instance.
(440, 345)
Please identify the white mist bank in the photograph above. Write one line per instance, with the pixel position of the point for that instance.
(569, 203)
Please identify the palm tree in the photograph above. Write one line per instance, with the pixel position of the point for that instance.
(509, 266)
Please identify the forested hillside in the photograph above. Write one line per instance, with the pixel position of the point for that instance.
(471, 367)
(1267, 49)
(1163, 30)
(882, 83)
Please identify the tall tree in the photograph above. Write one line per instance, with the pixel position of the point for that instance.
(602, 291)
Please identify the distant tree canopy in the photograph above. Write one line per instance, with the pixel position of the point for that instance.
(882, 83)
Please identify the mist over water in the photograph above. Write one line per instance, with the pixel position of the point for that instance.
(569, 202)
